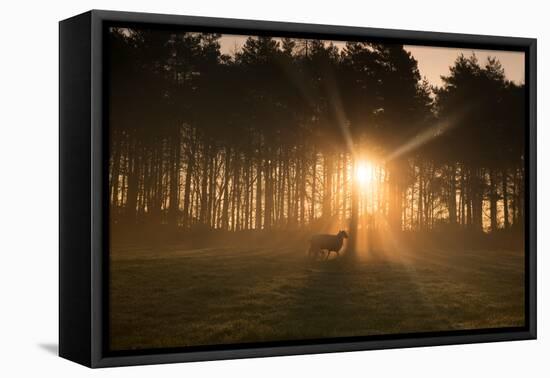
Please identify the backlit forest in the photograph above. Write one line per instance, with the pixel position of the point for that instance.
(296, 134)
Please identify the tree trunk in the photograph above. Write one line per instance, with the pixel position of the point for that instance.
(352, 249)
(115, 170)
(133, 184)
(289, 213)
(493, 198)
(327, 195)
(225, 205)
(477, 201)
(204, 185)
(187, 185)
(213, 163)
(420, 210)
(247, 193)
(344, 186)
(313, 185)
(396, 172)
(462, 197)
(452, 196)
(237, 191)
(258, 201)
(338, 189)
(268, 208)
(174, 178)
(303, 191)
(505, 198)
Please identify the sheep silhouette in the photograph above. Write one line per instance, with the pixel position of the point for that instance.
(326, 242)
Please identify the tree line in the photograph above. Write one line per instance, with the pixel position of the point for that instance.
(271, 137)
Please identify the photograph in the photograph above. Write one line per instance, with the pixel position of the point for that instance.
(271, 188)
(246, 189)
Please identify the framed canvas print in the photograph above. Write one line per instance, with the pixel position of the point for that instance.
(233, 188)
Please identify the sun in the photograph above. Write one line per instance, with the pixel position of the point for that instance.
(365, 172)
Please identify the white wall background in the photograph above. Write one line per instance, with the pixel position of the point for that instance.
(29, 189)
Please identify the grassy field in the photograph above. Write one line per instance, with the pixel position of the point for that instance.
(170, 296)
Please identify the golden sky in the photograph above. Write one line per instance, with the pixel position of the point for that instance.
(432, 61)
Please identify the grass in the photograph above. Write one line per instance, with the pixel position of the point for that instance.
(171, 296)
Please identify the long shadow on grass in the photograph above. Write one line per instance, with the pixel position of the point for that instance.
(357, 297)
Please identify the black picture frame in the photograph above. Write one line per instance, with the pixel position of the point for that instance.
(83, 228)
